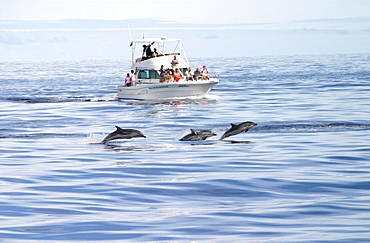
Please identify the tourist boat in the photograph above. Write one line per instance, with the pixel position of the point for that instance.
(148, 82)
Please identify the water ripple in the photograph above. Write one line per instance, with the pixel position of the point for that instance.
(301, 175)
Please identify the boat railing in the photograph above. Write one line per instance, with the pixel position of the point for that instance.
(212, 74)
(139, 59)
(171, 54)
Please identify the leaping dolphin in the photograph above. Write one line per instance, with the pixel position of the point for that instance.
(236, 129)
(198, 135)
(123, 134)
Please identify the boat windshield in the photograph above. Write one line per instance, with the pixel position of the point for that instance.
(148, 74)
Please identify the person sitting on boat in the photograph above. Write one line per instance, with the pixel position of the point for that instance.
(128, 80)
(144, 51)
(162, 73)
(177, 75)
(197, 74)
(155, 53)
(189, 74)
(205, 73)
(167, 76)
(174, 62)
(147, 50)
(158, 53)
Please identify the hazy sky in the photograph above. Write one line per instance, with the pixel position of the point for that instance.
(185, 11)
(97, 29)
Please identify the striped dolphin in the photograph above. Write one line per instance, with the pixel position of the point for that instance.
(236, 129)
(123, 134)
(198, 135)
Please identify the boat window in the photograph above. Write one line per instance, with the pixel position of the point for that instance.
(143, 74)
(148, 74)
(153, 74)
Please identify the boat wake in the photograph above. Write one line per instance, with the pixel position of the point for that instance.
(308, 127)
(41, 135)
(189, 100)
(35, 100)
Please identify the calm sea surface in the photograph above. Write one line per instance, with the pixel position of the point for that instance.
(301, 175)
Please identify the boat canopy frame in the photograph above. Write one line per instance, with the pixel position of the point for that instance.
(160, 43)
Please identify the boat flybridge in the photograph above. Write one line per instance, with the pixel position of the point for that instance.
(150, 83)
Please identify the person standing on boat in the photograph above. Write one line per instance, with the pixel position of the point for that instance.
(174, 63)
(128, 80)
(133, 76)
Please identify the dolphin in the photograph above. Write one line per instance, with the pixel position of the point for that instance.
(198, 135)
(122, 134)
(236, 129)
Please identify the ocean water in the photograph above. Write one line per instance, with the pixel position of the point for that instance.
(301, 175)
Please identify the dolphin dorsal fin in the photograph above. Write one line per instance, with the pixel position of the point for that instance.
(118, 128)
(232, 125)
(193, 131)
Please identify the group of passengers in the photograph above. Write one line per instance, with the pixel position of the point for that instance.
(174, 74)
(167, 75)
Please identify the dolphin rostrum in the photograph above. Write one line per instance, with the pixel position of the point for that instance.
(198, 135)
(236, 129)
(123, 134)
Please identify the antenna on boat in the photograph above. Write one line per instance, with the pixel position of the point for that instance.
(129, 33)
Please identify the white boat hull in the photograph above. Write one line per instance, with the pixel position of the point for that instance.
(166, 90)
(149, 68)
